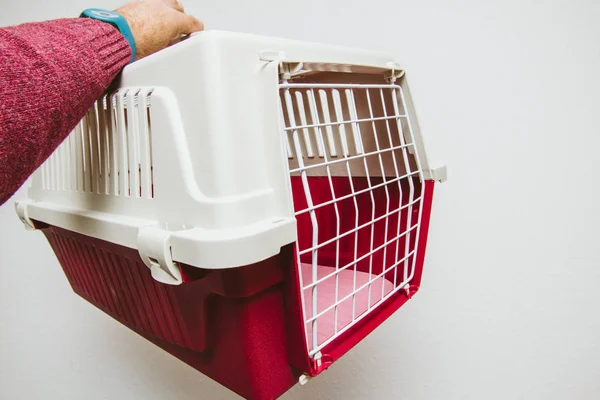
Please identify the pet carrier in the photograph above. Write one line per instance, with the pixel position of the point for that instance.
(254, 206)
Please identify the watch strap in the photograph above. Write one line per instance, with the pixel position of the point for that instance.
(116, 20)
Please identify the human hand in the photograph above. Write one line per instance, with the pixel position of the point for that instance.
(156, 24)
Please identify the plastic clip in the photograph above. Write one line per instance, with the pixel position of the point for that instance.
(154, 246)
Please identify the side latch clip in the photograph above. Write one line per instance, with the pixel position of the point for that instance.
(21, 208)
(154, 246)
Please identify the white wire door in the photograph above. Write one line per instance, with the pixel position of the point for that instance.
(357, 187)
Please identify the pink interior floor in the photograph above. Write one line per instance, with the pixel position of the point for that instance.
(350, 308)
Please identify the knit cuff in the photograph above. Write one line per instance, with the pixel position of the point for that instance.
(106, 42)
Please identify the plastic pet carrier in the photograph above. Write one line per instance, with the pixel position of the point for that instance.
(254, 206)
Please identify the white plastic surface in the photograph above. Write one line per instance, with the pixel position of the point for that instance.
(190, 145)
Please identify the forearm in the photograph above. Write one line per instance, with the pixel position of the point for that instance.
(50, 75)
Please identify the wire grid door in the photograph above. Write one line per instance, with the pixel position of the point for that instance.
(356, 184)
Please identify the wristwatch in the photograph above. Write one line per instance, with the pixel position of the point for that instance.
(116, 20)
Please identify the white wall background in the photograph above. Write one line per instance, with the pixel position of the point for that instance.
(508, 95)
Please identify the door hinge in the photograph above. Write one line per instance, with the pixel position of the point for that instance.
(287, 69)
(395, 72)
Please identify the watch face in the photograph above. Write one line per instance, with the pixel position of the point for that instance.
(104, 14)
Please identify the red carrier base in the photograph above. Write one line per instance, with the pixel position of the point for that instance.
(243, 327)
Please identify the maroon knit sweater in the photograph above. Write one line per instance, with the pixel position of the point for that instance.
(50, 75)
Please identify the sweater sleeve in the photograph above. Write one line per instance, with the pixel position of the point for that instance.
(50, 75)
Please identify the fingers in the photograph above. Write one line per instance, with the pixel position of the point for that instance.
(188, 24)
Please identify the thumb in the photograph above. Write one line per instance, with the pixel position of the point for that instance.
(188, 24)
